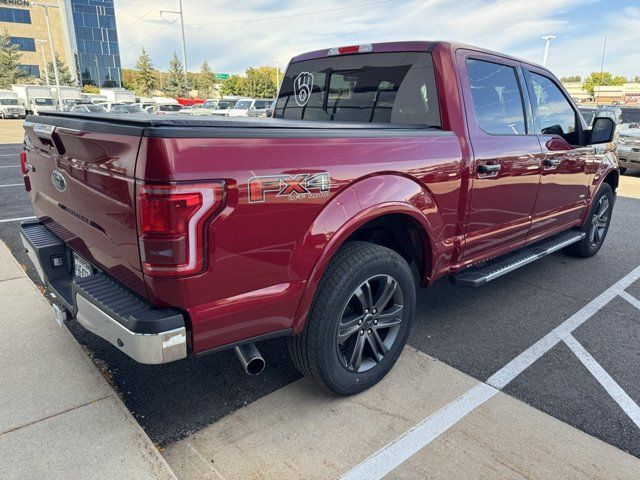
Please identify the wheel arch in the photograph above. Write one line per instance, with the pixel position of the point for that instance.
(375, 203)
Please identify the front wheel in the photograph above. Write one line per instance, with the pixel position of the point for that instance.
(359, 321)
(597, 224)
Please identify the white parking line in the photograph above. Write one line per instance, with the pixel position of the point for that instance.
(519, 364)
(7, 220)
(631, 299)
(13, 185)
(613, 389)
(389, 457)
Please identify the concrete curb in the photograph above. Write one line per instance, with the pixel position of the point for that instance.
(59, 418)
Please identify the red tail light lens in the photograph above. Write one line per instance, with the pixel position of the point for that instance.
(23, 162)
(171, 226)
(350, 49)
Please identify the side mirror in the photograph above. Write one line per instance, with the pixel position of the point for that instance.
(602, 130)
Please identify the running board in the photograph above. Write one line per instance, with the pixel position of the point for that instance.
(492, 269)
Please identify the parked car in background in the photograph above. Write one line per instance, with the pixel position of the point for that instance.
(191, 109)
(93, 97)
(87, 107)
(165, 109)
(126, 108)
(437, 162)
(588, 113)
(245, 105)
(628, 142)
(69, 95)
(10, 106)
(108, 106)
(259, 112)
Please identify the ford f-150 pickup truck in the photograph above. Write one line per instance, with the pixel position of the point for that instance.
(384, 165)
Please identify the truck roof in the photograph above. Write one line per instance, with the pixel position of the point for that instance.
(414, 46)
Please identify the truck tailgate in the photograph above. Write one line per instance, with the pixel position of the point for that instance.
(83, 189)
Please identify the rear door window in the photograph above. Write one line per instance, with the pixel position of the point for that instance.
(394, 88)
(497, 99)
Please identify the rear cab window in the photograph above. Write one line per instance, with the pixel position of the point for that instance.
(397, 87)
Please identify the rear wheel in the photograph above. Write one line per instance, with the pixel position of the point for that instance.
(359, 321)
(597, 224)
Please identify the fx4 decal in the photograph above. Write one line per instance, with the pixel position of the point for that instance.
(294, 187)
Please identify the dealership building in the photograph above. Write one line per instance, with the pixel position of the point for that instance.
(84, 37)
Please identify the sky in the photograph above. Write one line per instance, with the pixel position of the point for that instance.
(235, 34)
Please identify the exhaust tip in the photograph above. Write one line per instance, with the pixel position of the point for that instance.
(250, 358)
(255, 366)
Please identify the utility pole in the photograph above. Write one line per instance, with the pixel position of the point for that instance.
(547, 39)
(53, 54)
(277, 76)
(44, 60)
(184, 43)
(604, 49)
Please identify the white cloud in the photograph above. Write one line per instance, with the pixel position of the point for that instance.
(221, 32)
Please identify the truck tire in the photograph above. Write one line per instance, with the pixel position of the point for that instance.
(359, 320)
(596, 226)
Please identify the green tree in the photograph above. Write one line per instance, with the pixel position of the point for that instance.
(636, 79)
(176, 84)
(571, 79)
(604, 78)
(63, 74)
(261, 82)
(90, 89)
(206, 80)
(234, 85)
(10, 71)
(144, 79)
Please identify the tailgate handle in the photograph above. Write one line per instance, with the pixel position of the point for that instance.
(48, 136)
(492, 169)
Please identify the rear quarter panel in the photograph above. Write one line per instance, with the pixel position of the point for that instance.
(261, 255)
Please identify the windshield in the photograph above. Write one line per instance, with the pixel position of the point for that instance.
(630, 115)
(95, 108)
(224, 105)
(169, 108)
(243, 105)
(396, 87)
(134, 108)
(262, 103)
(43, 101)
(8, 101)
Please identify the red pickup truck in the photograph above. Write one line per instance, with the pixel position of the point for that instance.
(383, 166)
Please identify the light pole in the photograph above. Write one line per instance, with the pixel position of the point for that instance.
(53, 54)
(277, 75)
(184, 44)
(44, 60)
(547, 39)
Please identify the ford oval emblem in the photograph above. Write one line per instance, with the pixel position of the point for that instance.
(58, 180)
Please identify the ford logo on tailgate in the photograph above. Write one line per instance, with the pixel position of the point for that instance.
(58, 180)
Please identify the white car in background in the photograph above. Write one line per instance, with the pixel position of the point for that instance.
(245, 105)
(87, 108)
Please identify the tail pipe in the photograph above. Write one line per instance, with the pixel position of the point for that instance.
(250, 358)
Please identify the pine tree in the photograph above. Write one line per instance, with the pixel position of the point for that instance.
(64, 75)
(206, 80)
(10, 71)
(145, 76)
(176, 85)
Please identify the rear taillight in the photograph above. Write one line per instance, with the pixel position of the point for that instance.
(350, 49)
(23, 162)
(171, 226)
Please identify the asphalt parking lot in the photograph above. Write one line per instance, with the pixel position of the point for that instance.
(476, 331)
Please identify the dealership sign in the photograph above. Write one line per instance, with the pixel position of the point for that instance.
(19, 3)
(222, 76)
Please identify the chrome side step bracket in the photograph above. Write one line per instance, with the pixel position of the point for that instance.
(480, 274)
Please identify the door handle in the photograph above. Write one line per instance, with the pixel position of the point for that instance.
(551, 162)
(489, 169)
